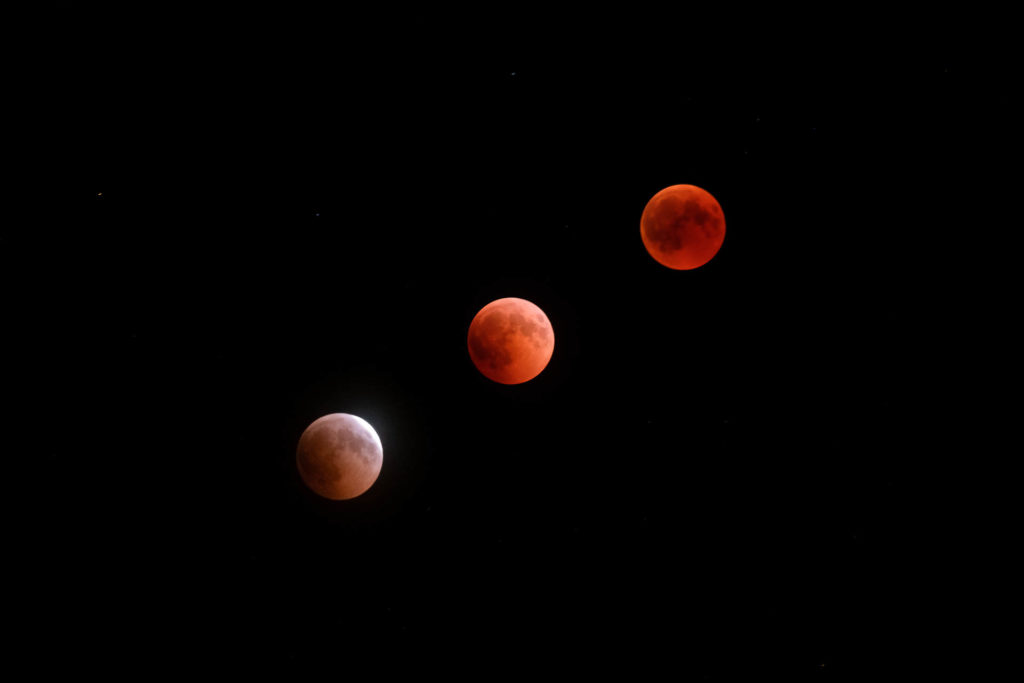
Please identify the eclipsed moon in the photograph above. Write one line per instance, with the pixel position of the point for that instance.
(511, 340)
(682, 227)
(339, 456)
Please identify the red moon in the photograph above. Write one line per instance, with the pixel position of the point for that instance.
(511, 341)
(682, 227)
(339, 456)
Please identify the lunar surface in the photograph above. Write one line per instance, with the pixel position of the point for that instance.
(511, 341)
(682, 227)
(339, 456)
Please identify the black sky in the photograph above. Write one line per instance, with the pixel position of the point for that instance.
(710, 478)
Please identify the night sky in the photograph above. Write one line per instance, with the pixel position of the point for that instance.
(711, 477)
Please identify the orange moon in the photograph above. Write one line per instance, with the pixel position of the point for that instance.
(339, 456)
(511, 341)
(682, 227)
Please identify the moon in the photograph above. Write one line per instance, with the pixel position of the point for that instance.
(682, 227)
(511, 341)
(339, 456)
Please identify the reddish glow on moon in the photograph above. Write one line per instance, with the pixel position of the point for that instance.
(511, 340)
(682, 227)
(339, 456)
